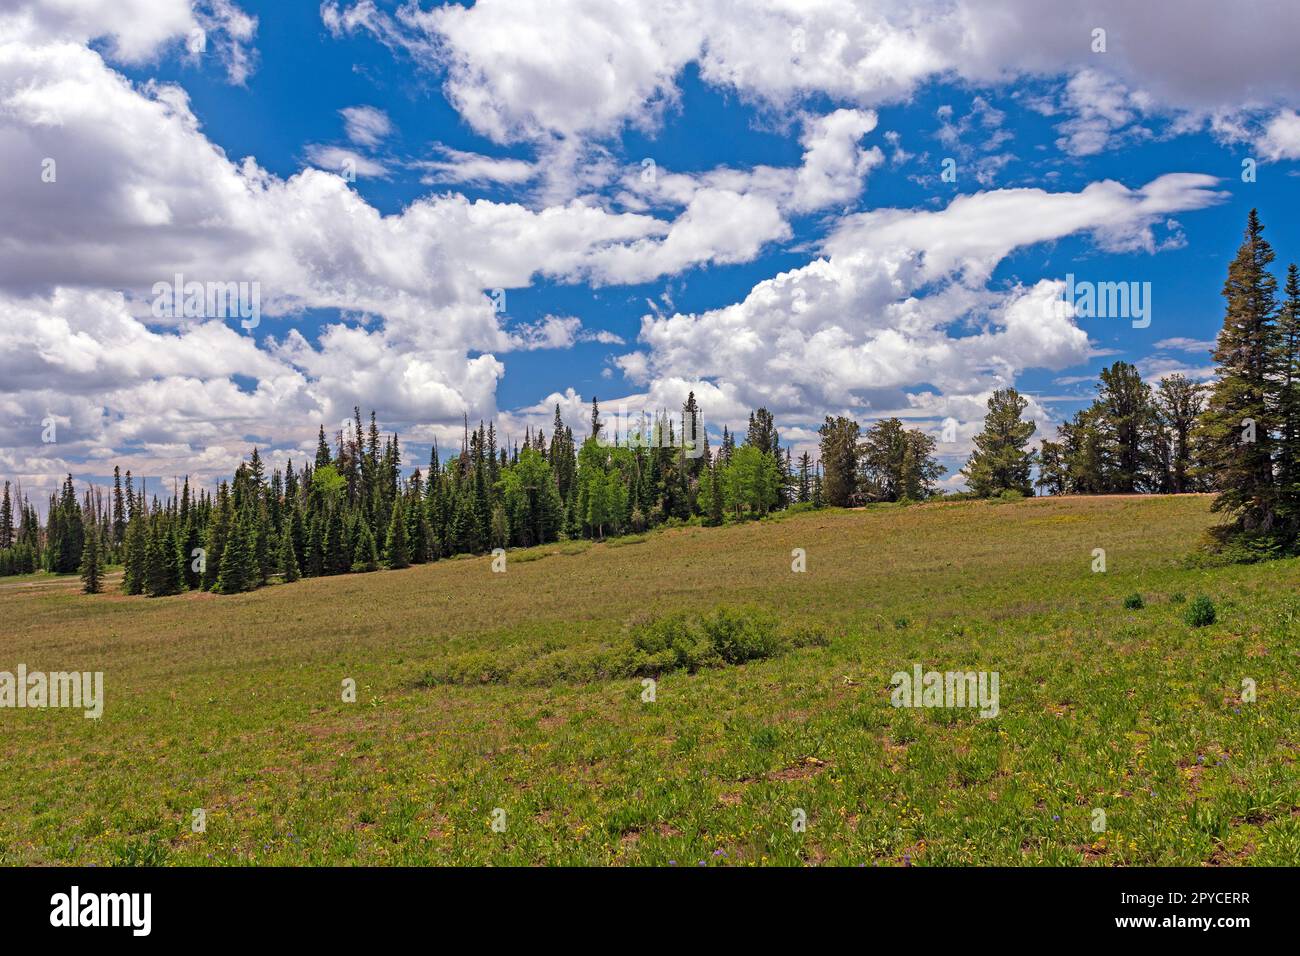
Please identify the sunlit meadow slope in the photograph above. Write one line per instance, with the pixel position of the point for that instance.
(234, 705)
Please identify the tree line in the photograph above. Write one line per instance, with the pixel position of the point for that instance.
(1238, 436)
(349, 509)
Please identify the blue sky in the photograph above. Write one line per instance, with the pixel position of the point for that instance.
(794, 245)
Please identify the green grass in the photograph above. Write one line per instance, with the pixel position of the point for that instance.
(233, 704)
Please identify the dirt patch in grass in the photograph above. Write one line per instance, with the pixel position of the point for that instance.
(800, 770)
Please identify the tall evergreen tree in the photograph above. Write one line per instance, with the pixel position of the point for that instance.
(1237, 430)
(160, 564)
(119, 512)
(137, 555)
(1131, 428)
(1053, 471)
(396, 554)
(91, 582)
(287, 560)
(898, 463)
(6, 520)
(715, 494)
(366, 556)
(218, 533)
(322, 449)
(1288, 403)
(1001, 461)
(839, 453)
(1178, 404)
(238, 563)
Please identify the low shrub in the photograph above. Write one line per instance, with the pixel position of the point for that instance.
(1200, 612)
(649, 647)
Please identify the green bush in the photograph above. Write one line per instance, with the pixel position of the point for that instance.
(650, 646)
(1134, 602)
(739, 635)
(1178, 597)
(1200, 612)
(669, 643)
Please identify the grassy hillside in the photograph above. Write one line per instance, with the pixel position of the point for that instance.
(233, 704)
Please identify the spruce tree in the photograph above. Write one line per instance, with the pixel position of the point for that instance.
(1288, 403)
(315, 559)
(160, 566)
(218, 534)
(119, 512)
(396, 554)
(805, 478)
(1238, 427)
(137, 555)
(336, 560)
(366, 556)
(238, 570)
(260, 526)
(90, 574)
(295, 534)
(191, 540)
(287, 560)
(6, 520)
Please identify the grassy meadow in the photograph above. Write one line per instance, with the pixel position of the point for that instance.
(474, 692)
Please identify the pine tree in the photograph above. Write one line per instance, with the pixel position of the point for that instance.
(1178, 404)
(1237, 428)
(839, 447)
(1000, 461)
(1131, 428)
(898, 463)
(1053, 473)
(1088, 456)
(90, 574)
